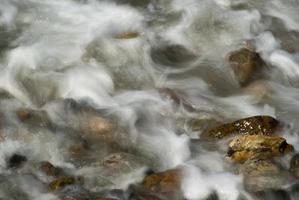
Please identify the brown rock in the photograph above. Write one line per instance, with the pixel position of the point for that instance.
(166, 183)
(78, 148)
(49, 169)
(247, 147)
(36, 118)
(61, 182)
(96, 127)
(256, 125)
(258, 167)
(5, 94)
(127, 35)
(244, 63)
(294, 165)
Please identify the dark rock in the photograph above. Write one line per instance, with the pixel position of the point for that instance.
(244, 63)
(16, 161)
(256, 125)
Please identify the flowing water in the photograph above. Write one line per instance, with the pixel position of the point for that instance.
(66, 67)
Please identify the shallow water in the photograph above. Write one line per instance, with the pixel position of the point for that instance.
(66, 60)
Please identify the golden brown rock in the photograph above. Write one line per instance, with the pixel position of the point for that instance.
(166, 182)
(61, 182)
(256, 125)
(244, 63)
(127, 35)
(247, 147)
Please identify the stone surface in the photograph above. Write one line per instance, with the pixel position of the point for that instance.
(244, 63)
(173, 55)
(243, 148)
(167, 183)
(294, 165)
(35, 118)
(61, 182)
(49, 169)
(96, 127)
(127, 35)
(256, 125)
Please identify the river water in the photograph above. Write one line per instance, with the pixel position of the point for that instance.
(70, 62)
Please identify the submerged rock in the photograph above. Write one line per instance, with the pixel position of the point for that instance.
(247, 147)
(49, 169)
(34, 118)
(166, 183)
(177, 98)
(244, 63)
(96, 127)
(264, 174)
(172, 55)
(258, 167)
(61, 182)
(115, 171)
(127, 35)
(256, 125)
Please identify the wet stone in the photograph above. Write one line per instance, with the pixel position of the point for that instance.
(16, 161)
(243, 148)
(127, 35)
(49, 169)
(35, 118)
(256, 125)
(173, 55)
(61, 182)
(5, 94)
(294, 165)
(167, 183)
(97, 127)
(258, 167)
(244, 63)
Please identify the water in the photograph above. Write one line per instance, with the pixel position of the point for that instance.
(64, 59)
